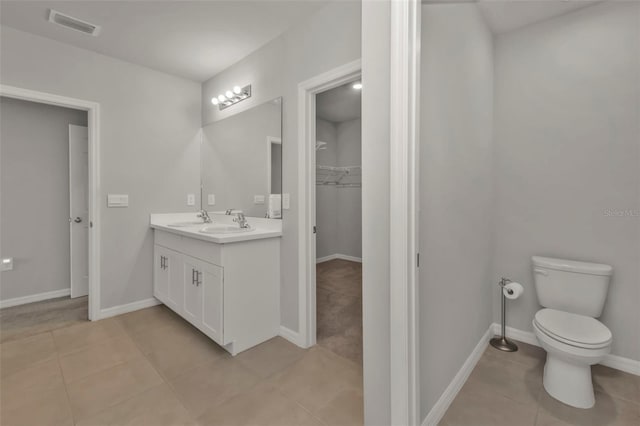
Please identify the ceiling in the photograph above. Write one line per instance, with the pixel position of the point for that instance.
(339, 104)
(191, 39)
(508, 15)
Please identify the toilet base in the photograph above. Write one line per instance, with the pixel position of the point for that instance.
(568, 382)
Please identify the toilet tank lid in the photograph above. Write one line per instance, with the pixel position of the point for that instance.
(572, 266)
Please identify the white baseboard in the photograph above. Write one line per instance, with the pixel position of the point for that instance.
(292, 336)
(339, 256)
(627, 365)
(516, 334)
(129, 307)
(35, 298)
(450, 393)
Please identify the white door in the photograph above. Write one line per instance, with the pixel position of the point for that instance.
(160, 273)
(192, 290)
(79, 209)
(175, 292)
(212, 301)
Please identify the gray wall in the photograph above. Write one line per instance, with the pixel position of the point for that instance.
(567, 150)
(455, 191)
(349, 198)
(376, 75)
(326, 196)
(34, 183)
(326, 40)
(149, 145)
(339, 210)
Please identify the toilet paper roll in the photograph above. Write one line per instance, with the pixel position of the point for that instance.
(513, 290)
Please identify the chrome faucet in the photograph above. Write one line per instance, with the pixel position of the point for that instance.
(241, 220)
(204, 215)
(229, 211)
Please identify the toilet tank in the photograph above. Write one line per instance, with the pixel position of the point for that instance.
(571, 286)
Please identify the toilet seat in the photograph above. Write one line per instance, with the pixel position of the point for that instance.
(573, 329)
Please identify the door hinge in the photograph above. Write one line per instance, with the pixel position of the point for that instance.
(315, 230)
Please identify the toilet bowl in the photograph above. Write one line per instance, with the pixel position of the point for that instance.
(573, 344)
(572, 294)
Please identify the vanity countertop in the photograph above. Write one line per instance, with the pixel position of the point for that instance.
(262, 228)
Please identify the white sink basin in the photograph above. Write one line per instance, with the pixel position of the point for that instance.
(185, 224)
(224, 229)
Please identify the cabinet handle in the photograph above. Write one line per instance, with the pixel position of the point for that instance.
(199, 278)
(193, 276)
(161, 262)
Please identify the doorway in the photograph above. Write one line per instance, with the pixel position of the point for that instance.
(338, 225)
(76, 203)
(307, 93)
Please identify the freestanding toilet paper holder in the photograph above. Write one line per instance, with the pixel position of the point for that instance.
(501, 342)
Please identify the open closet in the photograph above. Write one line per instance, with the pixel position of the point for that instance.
(339, 221)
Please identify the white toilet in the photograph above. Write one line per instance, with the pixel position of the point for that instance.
(572, 295)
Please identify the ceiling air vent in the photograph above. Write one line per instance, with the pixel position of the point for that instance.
(73, 23)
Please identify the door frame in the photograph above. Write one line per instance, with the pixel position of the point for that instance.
(93, 124)
(271, 140)
(307, 91)
(404, 84)
(404, 211)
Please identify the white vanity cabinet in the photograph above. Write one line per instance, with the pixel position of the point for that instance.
(228, 291)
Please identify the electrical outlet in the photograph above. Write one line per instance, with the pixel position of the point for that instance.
(258, 199)
(211, 199)
(286, 201)
(191, 199)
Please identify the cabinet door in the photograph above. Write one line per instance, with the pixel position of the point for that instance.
(160, 273)
(192, 291)
(211, 277)
(175, 288)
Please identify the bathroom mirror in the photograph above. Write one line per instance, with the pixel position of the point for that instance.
(241, 162)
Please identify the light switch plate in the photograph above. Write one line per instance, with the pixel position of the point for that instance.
(258, 199)
(286, 201)
(6, 264)
(191, 199)
(117, 200)
(211, 199)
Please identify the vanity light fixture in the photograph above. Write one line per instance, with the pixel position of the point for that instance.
(357, 85)
(232, 97)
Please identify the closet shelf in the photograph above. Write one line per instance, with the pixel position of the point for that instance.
(342, 177)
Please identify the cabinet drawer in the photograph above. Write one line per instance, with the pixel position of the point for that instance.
(203, 250)
(167, 239)
(209, 252)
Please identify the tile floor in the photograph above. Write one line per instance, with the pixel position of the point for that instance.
(339, 308)
(152, 368)
(506, 389)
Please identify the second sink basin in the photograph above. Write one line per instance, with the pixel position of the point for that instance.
(185, 224)
(224, 229)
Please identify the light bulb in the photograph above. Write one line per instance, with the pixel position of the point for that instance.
(215, 101)
(229, 94)
(221, 98)
(237, 90)
(357, 85)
